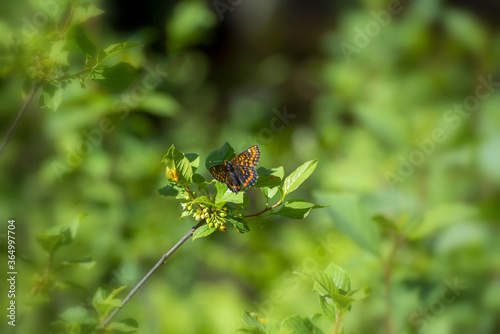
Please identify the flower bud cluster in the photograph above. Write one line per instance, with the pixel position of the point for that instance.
(215, 217)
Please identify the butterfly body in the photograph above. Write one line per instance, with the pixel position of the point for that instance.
(240, 171)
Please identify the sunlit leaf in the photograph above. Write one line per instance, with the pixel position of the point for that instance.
(78, 315)
(296, 209)
(118, 76)
(52, 96)
(295, 179)
(128, 325)
(178, 167)
(239, 223)
(296, 324)
(203, 231)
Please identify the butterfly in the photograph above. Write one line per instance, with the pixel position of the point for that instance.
(240, 171)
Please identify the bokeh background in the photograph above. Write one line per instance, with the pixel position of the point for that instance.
(401, 108)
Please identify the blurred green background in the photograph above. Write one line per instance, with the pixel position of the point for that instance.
(401, 108)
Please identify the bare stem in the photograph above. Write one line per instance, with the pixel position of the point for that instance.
(338, 322)
(151, 272)
(68, 19)
(387, 279)
(21, 112)
(267, 208)
(193, 197)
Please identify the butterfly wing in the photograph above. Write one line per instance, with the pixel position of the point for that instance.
(247, 158)
(232, 182)
(219, 173)
(246, 175)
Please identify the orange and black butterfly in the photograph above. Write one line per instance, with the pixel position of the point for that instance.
(240, 171)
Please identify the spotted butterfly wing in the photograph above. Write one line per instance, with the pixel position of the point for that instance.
(247, 158)
(246, 175)
(240, 171)
(219, 173)
(232, 182)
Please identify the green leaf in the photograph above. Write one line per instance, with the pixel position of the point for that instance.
(83, 42)
(86, 263)
(319, 320)
(114, 293)
(269, 180)
(203, 200)
(104, 301)
(58, 236)
(328, 307)
(270, 192)
(466, 29)
(351, 218)
(58, 53)
(98, 301)
(343, 302)
(278, 172)
(118, 76)
(128, 325)
(225, 195)
(117, 48)
(299, 325)
(159, 104)
(333, 285)
(360, 294)
(441, 216)
(51, 96)
(295, 179)
(203, 231)
(200, 181)
(226, 152)
(82, 14)
(254, 320)
(296, 209)
(239, 223)
(323, 284)
(187, 213)
(50, 243)
(382, 221)
(191, 21)
(179, 168)
(78, 315)
(339, 277)
(173, 190)
(194, 160)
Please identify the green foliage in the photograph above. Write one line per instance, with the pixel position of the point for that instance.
(336, 297)
(47, 56)
(410, 212)
(221, 207)
(351, 217)
(77, 319)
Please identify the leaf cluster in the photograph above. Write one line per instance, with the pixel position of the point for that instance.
(220, 207)
(46, 56)
(77, 319)
(44, 284)
(336, 297)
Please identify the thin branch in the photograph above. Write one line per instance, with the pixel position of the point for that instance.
(264, 210)
(21, 112)
(193, 197)
(387, 278)
(68, 19)
(338, 321)
(151, 272)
